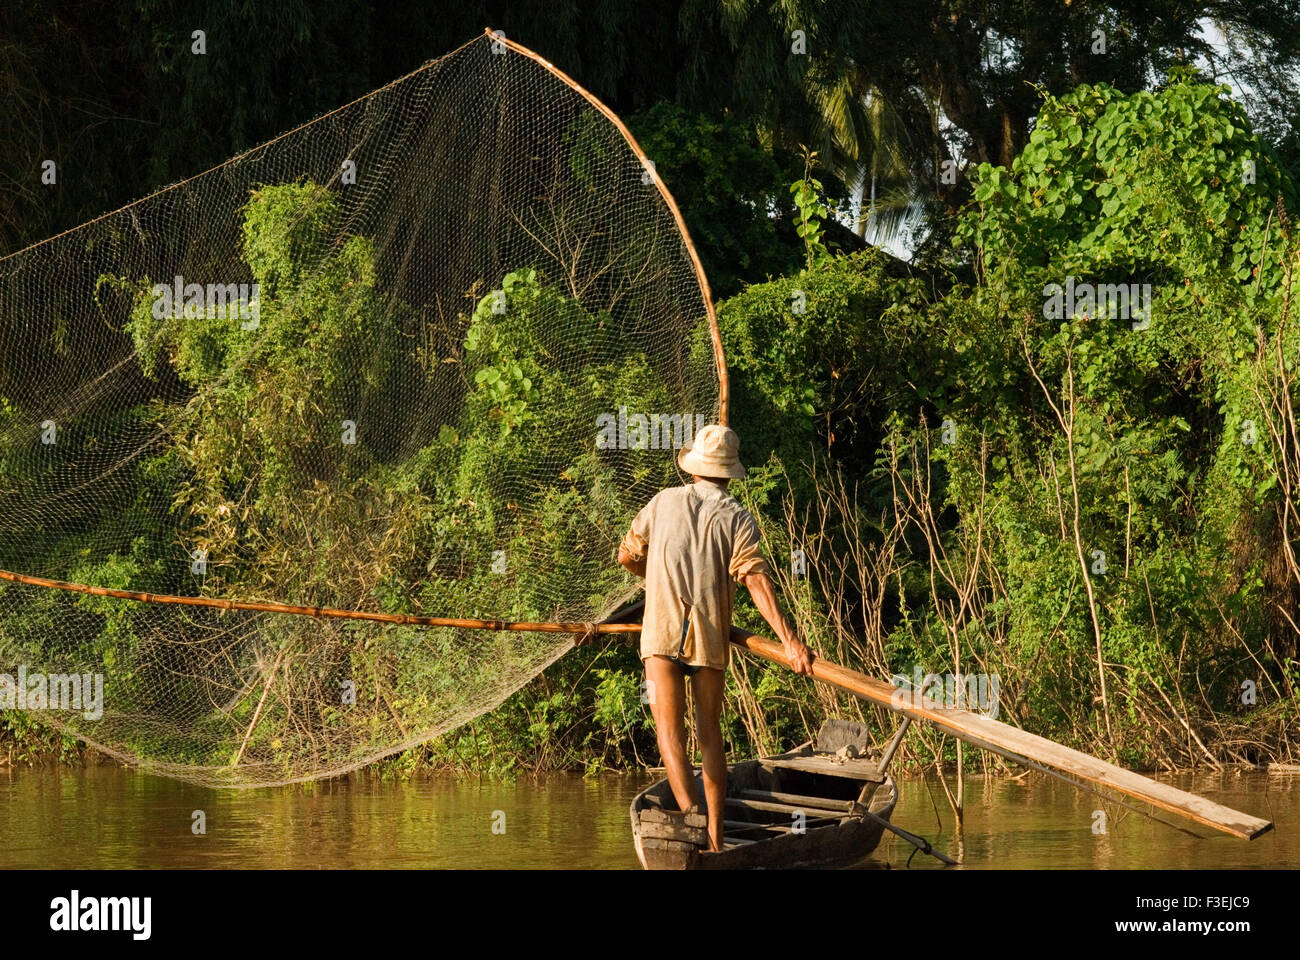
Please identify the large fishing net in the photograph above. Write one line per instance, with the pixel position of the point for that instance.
(425, 355)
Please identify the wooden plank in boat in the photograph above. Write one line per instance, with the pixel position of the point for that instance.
(817, 803)
(659, 843)
(857, 769)
(750, 826)
(741, 826)
(771, 807)
(649, 815)
(668, 831)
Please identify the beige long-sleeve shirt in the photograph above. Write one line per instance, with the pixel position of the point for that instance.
(696, 541)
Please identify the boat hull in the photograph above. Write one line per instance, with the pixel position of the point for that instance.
(799, 810)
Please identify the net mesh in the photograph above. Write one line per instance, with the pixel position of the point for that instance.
(426, 354)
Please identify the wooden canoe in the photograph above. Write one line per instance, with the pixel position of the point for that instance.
(807, 808)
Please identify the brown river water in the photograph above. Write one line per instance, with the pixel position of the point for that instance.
(109, 817)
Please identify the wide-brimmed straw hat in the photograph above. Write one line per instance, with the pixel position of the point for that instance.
(715, 452)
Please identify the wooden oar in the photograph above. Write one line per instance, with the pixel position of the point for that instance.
(920, 843)
(1015, 744)
(773, 801)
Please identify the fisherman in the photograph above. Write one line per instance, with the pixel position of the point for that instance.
(692, 544)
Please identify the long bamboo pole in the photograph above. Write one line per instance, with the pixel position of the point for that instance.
(1018, 745)
(526, 626)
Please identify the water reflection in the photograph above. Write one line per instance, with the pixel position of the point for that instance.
(109, 817)
(1040, 822)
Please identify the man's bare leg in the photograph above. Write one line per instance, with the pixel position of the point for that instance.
(708, 686)
(666, 688)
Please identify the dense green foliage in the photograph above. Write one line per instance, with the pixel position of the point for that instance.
(729, 184)
(1143, 455)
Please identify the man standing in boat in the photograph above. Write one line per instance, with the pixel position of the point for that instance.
(692, 544)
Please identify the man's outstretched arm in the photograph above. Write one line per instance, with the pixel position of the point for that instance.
(760, 588)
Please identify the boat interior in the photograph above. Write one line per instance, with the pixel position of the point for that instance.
(814, 786)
